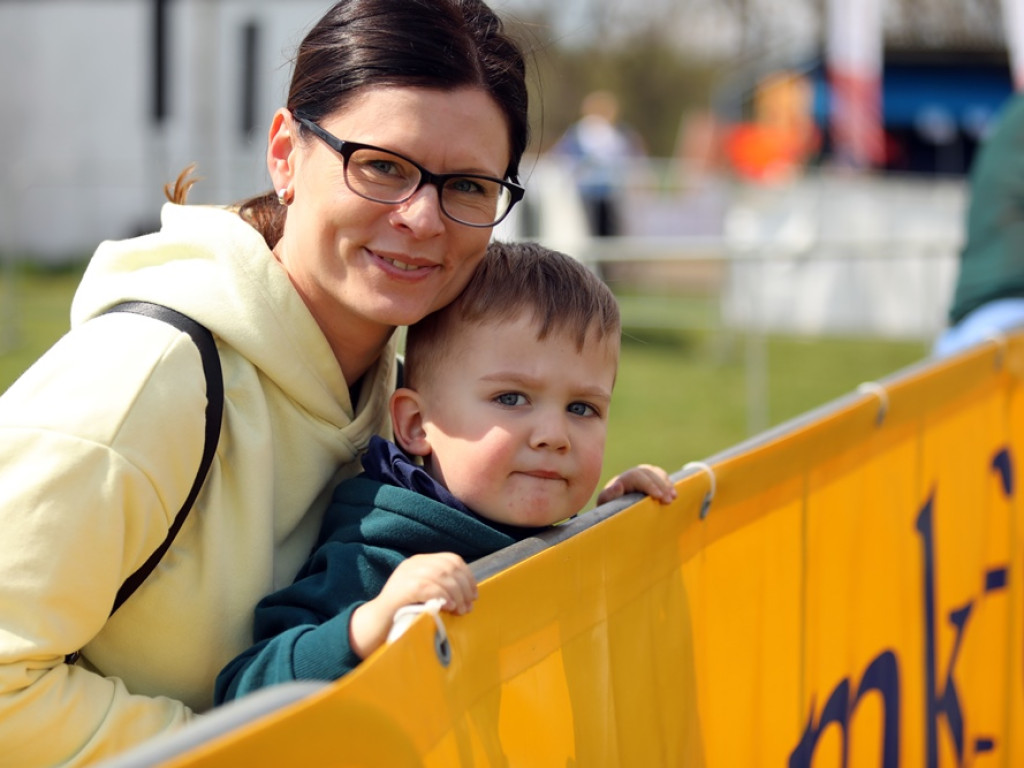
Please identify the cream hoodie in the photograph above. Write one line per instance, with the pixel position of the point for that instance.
(99, 443)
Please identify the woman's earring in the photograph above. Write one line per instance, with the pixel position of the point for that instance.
(282, 196)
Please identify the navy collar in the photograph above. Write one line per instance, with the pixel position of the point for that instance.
(386, 463)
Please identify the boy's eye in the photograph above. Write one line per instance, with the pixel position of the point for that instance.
(582, 409)
(510, 398)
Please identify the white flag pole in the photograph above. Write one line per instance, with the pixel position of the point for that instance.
(854, 63)
(1013, 22)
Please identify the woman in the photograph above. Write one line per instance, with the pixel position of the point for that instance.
(397, 152)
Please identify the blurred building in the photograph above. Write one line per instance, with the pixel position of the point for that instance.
(105, 101)
(942, 68)
(108, 100)
(936, 106)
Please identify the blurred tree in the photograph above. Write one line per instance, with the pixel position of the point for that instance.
(655, 80)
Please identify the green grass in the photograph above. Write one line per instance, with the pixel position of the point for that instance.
(681, 395)
(34, 312)
(682, 390)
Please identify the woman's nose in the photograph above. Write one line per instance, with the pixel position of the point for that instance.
(421, 213)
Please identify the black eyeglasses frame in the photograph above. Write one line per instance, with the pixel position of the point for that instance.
(346, 148)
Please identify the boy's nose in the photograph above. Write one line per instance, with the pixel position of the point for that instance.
(551, 433)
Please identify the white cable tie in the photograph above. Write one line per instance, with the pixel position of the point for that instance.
(710, 495)
(876, 389)
(1000, 340)
(407, 614)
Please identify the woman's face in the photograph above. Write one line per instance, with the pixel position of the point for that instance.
(364, 267)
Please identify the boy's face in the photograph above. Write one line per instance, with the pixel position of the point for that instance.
(515, 426)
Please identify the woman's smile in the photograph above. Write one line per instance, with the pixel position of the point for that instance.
(406, 264)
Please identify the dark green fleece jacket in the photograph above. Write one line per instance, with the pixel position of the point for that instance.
(301, 632)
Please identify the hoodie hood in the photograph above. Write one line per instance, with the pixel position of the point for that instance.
(214, 267)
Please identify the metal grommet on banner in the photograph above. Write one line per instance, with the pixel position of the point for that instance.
(405, 616)
(999, 339)
(710, 495)
(876, 389)
(442, 647)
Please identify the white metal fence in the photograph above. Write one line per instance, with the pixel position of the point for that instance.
(829, 253)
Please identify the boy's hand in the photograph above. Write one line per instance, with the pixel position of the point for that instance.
(422, 577)
(416, 580)
(645, 478)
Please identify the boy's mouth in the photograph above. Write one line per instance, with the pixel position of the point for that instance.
(544, 474)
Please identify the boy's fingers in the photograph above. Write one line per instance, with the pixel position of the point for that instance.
(645, 478)
(612, 490)
(460, 588)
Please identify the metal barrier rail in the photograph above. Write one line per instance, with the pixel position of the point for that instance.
(217, 722)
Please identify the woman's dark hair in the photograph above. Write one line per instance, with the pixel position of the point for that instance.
(440, 44)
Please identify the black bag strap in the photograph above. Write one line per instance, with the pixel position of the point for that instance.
(214, 412)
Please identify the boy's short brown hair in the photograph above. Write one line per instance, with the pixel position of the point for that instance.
(561, 293)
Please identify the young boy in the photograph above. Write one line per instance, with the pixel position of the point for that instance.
(506, 402)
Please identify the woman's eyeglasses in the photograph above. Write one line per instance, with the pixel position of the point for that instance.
(384, 176)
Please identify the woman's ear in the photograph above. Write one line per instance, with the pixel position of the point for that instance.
(407, 421)
(281, 145)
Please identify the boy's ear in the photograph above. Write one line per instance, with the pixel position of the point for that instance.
(407, 420)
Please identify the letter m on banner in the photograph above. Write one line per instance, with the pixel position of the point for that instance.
(854, 60)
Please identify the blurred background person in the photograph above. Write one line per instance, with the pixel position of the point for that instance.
(782, 138)
(600, 153)
(989, 294)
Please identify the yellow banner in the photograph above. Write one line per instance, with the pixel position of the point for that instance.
(852, 596)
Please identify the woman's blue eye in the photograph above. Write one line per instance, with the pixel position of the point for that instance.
(466, 186)
(382, 166)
